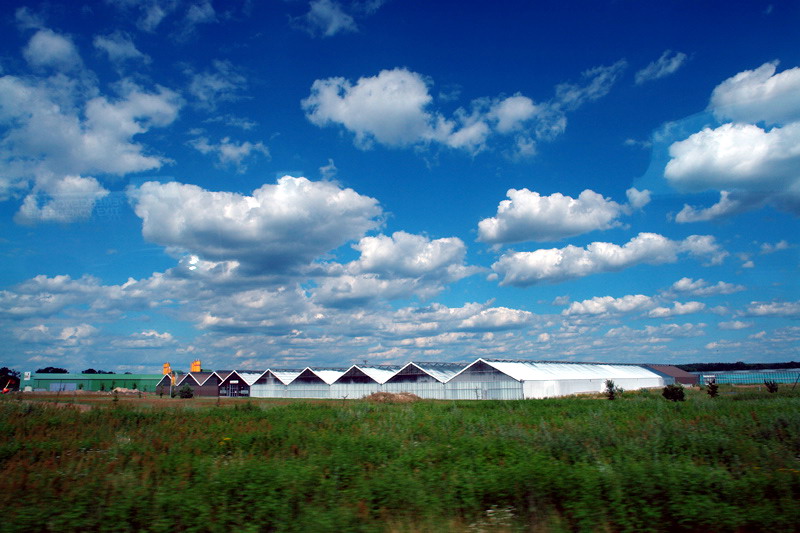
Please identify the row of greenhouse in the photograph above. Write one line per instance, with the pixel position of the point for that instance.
(484, 379)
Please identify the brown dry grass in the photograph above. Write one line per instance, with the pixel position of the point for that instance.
(389, 397)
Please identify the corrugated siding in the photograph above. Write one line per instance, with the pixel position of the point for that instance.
(268, 390)
(353, 390)
(432, 390)
(308, 390)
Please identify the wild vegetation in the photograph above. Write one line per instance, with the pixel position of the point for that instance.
(640, 463)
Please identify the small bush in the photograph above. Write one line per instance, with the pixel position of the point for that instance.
(674, 393)
(186, 392)
(612, 392)
(772, 386)
(712, 389)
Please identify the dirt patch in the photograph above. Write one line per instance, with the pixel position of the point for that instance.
(389, 397)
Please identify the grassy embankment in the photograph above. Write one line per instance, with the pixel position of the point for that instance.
(636, 464)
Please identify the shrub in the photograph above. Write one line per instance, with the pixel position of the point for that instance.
(186, 392)
(674, 393)
(612, 392)
(772, 386)
(713, 389)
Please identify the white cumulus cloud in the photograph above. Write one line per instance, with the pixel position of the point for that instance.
(753, 160)
(677, 308)
(49, 49)
(287, 224)
(607, 305)
(553, 265)
(395, 108)
(701, 287)
(759, 95)
(529, 216)
(785, 309)
(51, 132)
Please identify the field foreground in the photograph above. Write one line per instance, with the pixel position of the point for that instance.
(639, 463)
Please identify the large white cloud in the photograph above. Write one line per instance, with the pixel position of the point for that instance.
(284, 225)
(553, 265)
(754, 159)
(395, 108)
(53, 134)
(740, 156)
(528, 216)
(759, 95)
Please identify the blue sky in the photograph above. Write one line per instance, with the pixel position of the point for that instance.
(293, 183)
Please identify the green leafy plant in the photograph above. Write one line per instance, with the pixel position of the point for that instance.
(186, 392)
(674, 392)
(712, 388)
(772, 386)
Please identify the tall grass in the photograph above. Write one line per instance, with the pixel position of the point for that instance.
(637, 464)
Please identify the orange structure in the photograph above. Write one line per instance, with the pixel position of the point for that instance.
(196, 367)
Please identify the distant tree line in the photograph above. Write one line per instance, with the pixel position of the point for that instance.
(56, 370)
(52, 370)
(727, 367)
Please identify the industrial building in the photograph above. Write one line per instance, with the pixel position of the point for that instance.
(89, 382)
(483, 379)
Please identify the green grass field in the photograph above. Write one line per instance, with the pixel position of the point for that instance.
(639, 463)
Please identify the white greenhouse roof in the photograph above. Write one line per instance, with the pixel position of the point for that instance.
(441, 372)
(379, 374)
(284, 376)
(543, 371)
(328, 376)
(250, 377)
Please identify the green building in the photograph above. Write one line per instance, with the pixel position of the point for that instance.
(89, 382)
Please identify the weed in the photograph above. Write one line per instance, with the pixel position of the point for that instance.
(674, 392)
(712, 388)
(772, 386)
